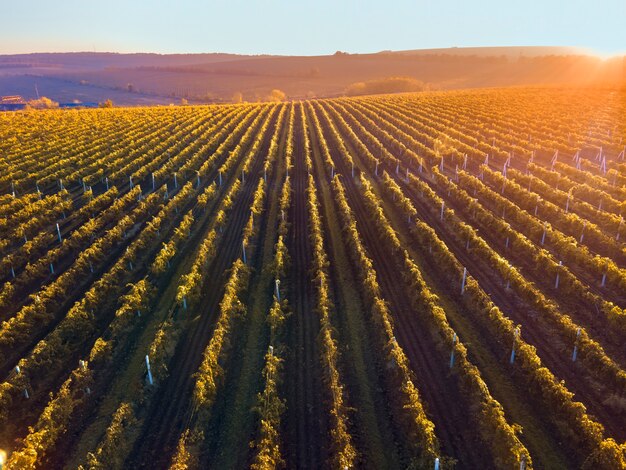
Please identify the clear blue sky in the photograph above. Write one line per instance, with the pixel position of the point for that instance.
(306, 27)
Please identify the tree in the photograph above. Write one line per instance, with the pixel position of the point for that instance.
(237, 97)
(277, 95)
(106, 104)
(184, 102)
(42, 103)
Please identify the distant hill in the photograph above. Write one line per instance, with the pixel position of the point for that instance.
(134, 79)
(509, 51)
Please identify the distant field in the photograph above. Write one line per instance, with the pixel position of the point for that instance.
(217, 78)
(372, 282)
(65, 91)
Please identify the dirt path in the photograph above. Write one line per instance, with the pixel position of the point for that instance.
(305, 423)
(373, 428)
(243, 377)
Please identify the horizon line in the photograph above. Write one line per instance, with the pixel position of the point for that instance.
(575, 50)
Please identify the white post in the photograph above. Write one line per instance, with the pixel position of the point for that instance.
(51, 268)
(265, 174)
(555, 157)
(106, 180)
(567, 203)
(198, 178)
(442, 207)
(332, 172)
(441, 165)
(84, 186)
(582, 232)
(185, 302)
(452, 352)
(175, 181)
(486, 159)
(522, 463)
(130, 181)
(243, 249)
(603, 283)
(437, 463)
(397, 168)
(556, 282)
(220, 177)
(12, 272)
(512, 359)
(543, 237)
(153, 182)
(465, 161)
(61, 184)
(575, 353)
(149, 371)
(13, 188)
(376, 171)
(26, 395)
(508, 278)
(59, 234)
(277, 284)
(463, 281)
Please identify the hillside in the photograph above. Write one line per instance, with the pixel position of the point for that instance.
(132, 79)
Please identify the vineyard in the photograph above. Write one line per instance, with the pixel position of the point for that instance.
(432, 280)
